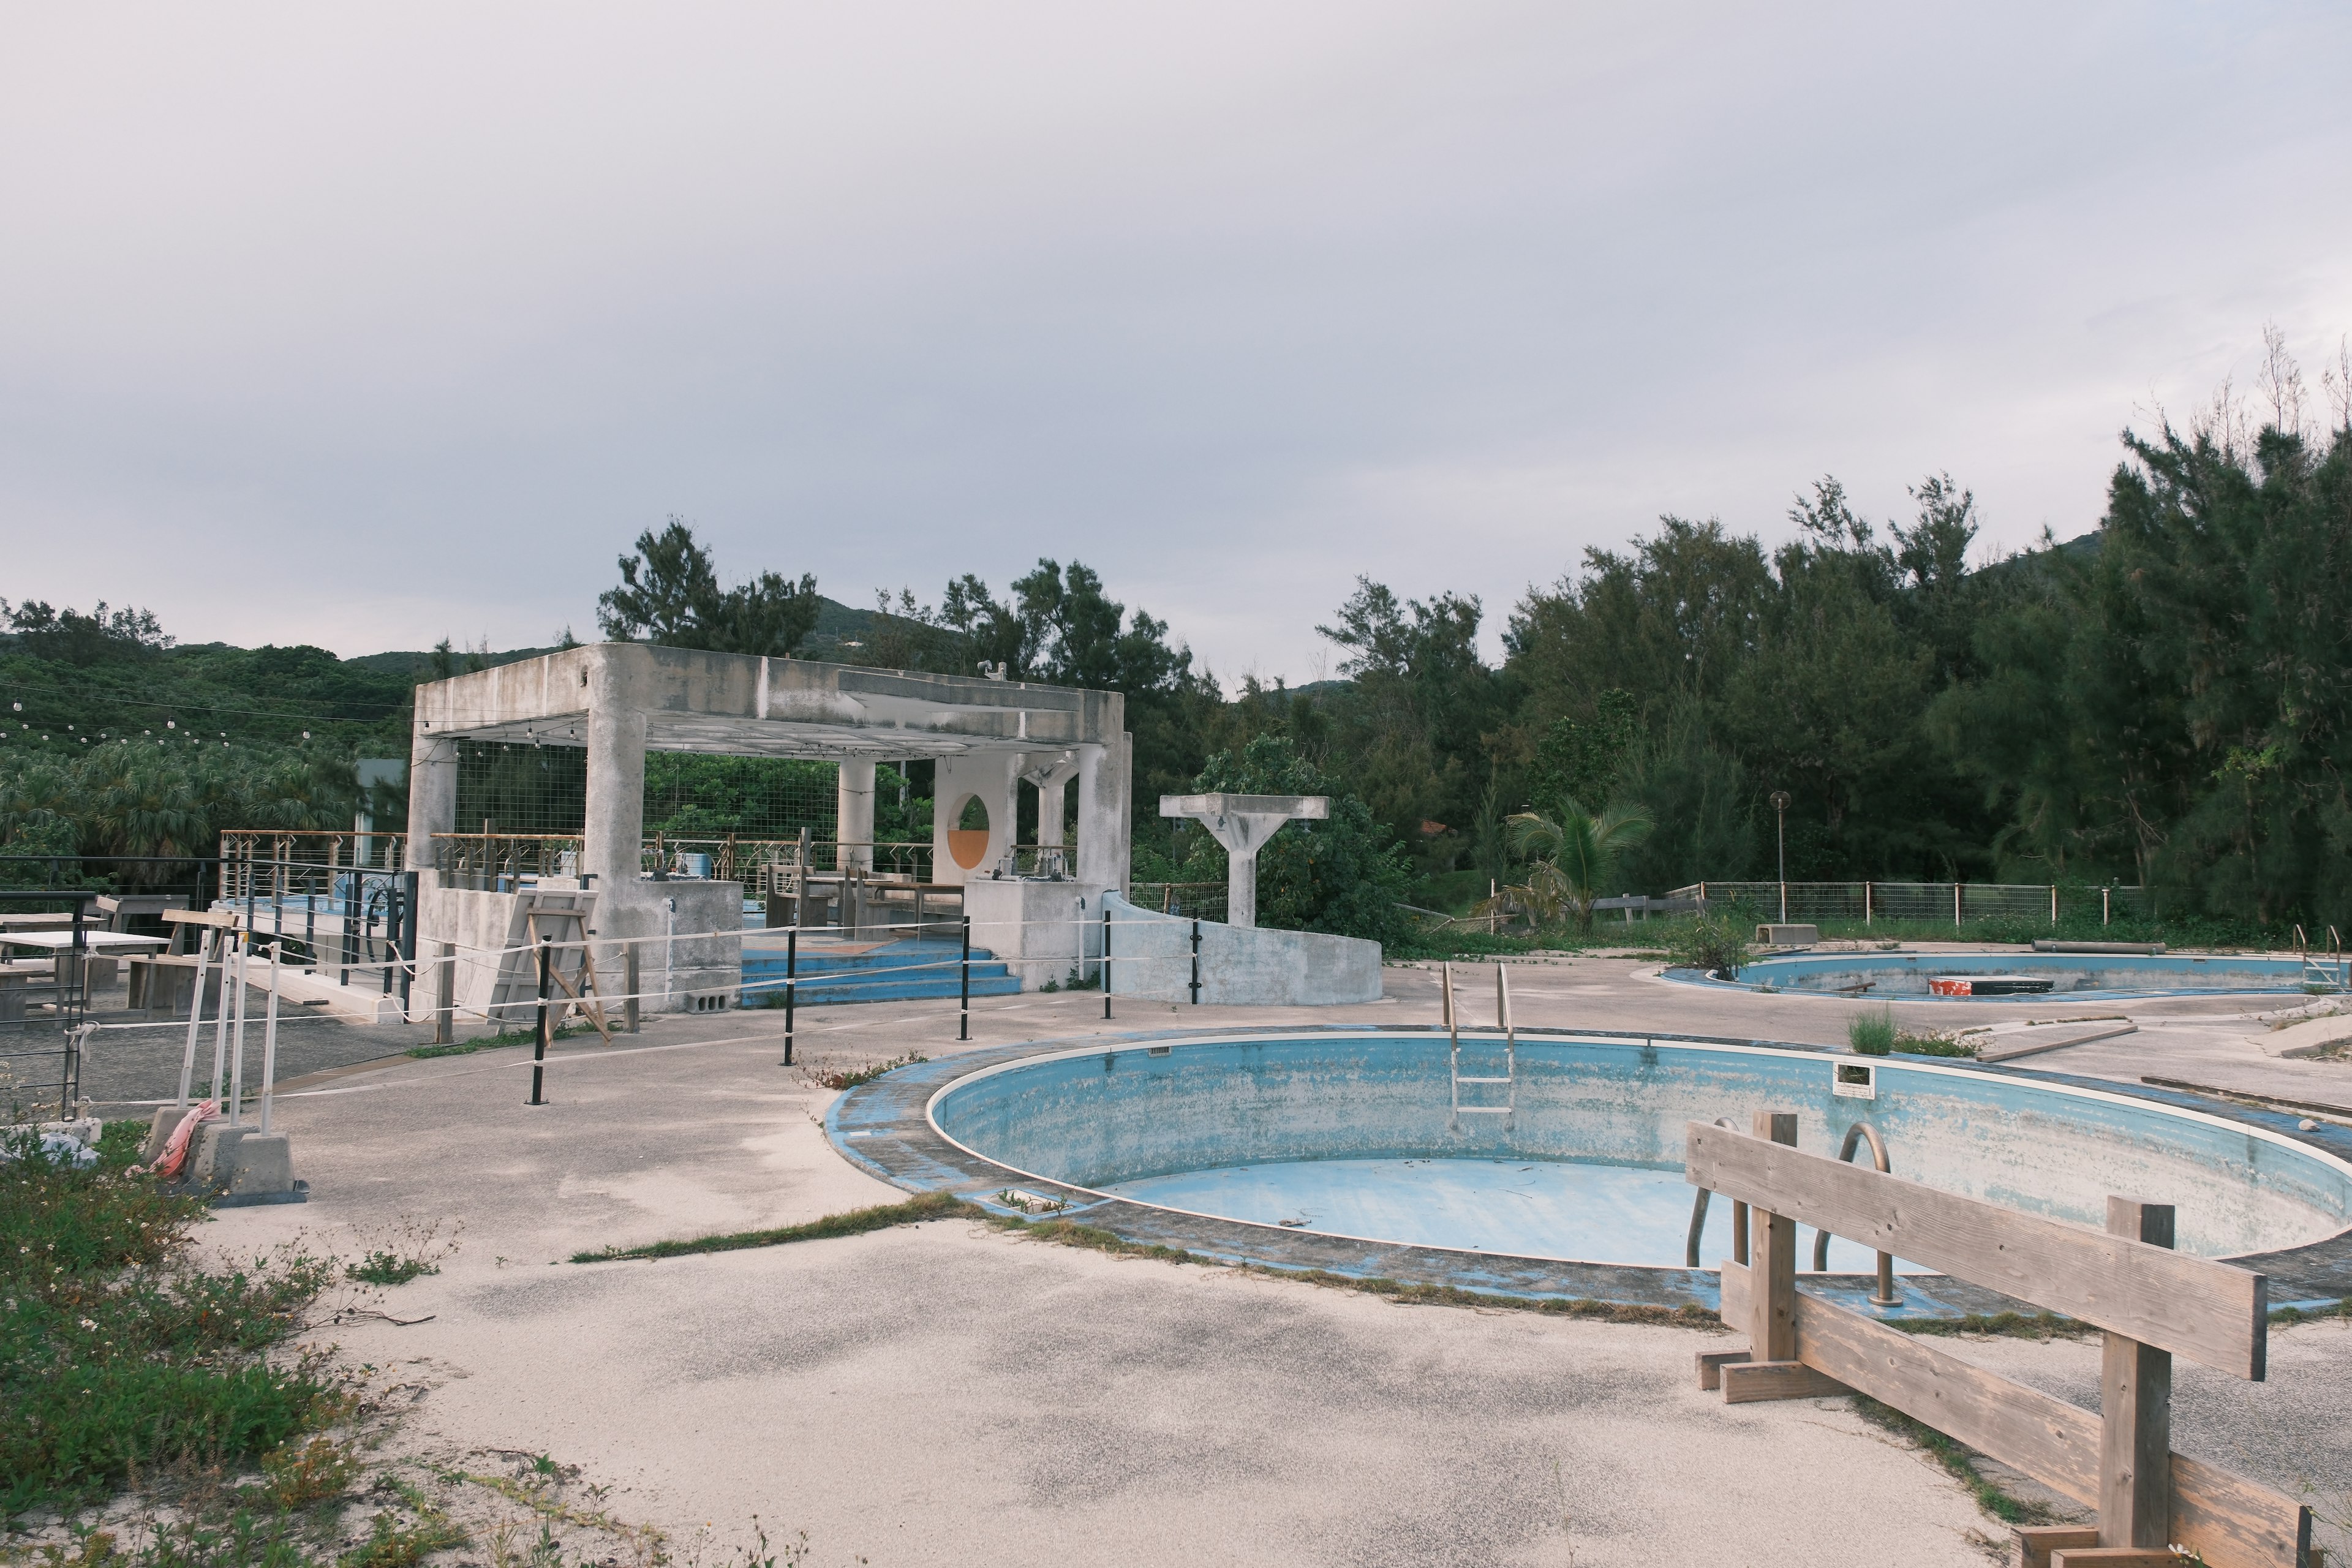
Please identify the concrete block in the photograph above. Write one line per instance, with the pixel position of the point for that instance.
(214, 1154)
(1788, 935)
(258, 1164)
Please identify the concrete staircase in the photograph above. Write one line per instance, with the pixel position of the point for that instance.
(832, 971)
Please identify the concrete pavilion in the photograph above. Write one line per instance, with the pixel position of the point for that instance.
(618, 700)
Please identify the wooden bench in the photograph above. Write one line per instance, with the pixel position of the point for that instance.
(2153, 1303)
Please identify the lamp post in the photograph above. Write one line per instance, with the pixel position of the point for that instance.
(1781, 816)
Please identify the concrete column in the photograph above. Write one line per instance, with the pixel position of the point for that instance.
(1105, 834)
(1051, 776)
(1052, 812)
(853, 821)
(431, 801)
(613, 845)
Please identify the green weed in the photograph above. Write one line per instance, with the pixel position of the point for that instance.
(381, 1268)
(850, 1077)
(1872, 1034)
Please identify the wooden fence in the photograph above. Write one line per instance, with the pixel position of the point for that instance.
(2154, 1303)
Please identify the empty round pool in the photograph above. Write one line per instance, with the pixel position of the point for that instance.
(1979, 976)
(1570, 1146)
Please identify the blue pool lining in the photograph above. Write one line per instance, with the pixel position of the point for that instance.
(898, 1145)
(2078, 1088)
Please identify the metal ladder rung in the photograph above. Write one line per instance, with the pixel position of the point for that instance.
(1482, 1080)
(1481, 1110)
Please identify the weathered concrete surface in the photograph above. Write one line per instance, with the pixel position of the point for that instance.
(944, 1395)
(1241, 966)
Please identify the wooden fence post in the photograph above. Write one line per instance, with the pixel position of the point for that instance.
(1772, 1262)
(2136, 1409)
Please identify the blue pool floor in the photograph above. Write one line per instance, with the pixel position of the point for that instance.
(1595, 1213)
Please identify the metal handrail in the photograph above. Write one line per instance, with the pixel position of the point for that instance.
(1884, 1295)
(1698, 1220)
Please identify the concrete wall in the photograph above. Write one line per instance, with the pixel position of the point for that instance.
(993, 777)
(1151, 956)
(483, 924)
(1093, 1117)
(1041, 930)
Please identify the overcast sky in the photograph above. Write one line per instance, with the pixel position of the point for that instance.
(366, 326)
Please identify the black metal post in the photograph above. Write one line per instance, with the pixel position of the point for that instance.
(791, 985)
(407, 937)
(73, 1004)
(1196, 961)
(347, 943)
(546, 1022)
(963, 1022)
(1106, 963)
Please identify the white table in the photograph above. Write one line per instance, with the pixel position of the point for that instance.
(95, 944)
(107, 943)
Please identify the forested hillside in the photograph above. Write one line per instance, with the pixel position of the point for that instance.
(2163, 700)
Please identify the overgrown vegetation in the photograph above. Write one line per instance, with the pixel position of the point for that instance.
(119, 1359)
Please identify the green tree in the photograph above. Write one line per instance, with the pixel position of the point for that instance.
(670, 594)
(1345, 875)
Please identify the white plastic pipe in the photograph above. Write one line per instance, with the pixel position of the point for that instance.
(236, 1043)
(269, 1041)
(196, 1014)
(220, 1020)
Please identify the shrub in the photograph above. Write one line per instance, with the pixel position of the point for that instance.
(1713, 943)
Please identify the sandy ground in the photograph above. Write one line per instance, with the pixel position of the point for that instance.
(947, 1393)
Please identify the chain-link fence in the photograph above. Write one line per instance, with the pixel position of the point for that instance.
(1956, 903)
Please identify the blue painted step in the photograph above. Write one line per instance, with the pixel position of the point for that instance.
(885, 974)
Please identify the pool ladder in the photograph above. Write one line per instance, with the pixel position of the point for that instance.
(1509, 1081)
(2330, 972)
(1883, 1295)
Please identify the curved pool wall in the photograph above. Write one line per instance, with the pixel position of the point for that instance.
(1095, 1117)
(2087, 977)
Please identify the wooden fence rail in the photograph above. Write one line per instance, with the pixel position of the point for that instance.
(2151, 1302)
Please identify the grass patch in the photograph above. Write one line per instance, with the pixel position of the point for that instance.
(1958, 1460)
(2312, 1314)
(503, 1037)
(855, 1222)
(119, 1357)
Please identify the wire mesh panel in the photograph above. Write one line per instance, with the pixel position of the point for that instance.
(521, 789)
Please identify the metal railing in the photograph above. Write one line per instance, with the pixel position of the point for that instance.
(326, 846)
(1957, 902)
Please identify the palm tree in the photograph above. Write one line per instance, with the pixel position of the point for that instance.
(1571, 858)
